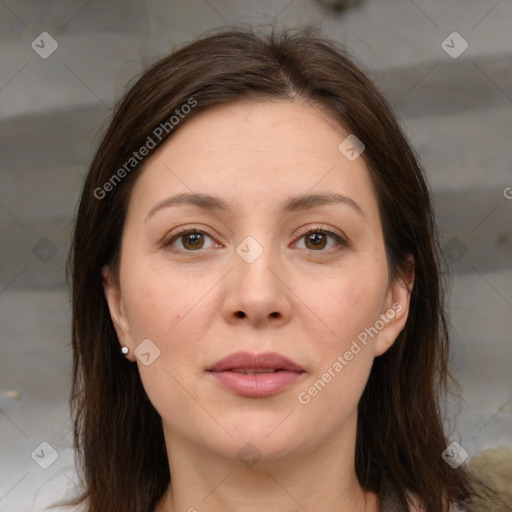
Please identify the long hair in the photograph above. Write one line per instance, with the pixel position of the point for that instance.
(118, 434)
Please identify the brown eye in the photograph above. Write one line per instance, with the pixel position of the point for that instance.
(189, 240)
(193, 241)
(316, 240)
(320, 240)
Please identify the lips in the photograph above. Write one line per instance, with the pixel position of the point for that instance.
(253, 371)
(245, 361)
(256, 375)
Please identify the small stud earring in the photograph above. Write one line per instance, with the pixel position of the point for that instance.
(125, 350)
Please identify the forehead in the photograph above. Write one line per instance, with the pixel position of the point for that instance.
(274, 128)
(254, 154)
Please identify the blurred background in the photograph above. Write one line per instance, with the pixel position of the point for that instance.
(445, 66)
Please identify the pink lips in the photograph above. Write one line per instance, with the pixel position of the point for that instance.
(256, 375)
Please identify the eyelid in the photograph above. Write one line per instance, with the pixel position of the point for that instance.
(340, 237)
(175, 235)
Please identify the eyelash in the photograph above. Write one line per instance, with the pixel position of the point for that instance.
(340, 240)
(342, 243)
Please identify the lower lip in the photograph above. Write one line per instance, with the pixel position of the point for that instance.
(257, 384)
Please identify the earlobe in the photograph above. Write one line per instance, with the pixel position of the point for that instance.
(114, 298)
(396, 310)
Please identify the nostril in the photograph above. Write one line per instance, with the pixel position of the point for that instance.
(275, 314)
(240, 314)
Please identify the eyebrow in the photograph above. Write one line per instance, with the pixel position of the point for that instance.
(291, 204)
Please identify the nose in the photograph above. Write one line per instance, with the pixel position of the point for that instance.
(257, 293)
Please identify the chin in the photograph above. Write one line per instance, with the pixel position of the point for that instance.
(265, 436)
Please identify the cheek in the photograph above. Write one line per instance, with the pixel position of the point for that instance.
(351, 300)
(171, 314)
(175, 309)
(156, 296)
(343, 362)
(350, 304)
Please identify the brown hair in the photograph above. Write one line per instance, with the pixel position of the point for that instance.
(118, 434)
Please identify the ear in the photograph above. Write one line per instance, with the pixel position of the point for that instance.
(396, 307)
(114, 298)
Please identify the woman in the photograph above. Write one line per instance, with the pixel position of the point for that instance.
(258, 319)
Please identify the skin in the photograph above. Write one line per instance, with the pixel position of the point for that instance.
(307, 302)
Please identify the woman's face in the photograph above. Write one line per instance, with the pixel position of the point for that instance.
(264, 260)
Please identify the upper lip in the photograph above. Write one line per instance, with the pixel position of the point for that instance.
(248, 361)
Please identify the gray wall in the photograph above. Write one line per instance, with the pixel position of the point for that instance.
(457, 110)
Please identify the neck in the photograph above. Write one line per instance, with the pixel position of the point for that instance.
(320, 479)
